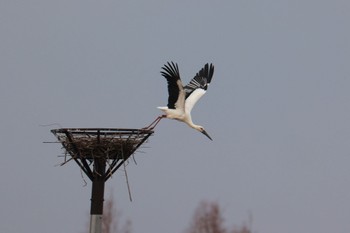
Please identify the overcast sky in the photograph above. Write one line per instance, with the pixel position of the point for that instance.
(277, 109)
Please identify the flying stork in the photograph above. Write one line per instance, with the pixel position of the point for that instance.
(182, 98)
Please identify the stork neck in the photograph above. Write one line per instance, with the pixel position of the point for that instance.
(192, 125)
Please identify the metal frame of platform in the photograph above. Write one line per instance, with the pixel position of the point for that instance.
(85, 145)
(99, 152)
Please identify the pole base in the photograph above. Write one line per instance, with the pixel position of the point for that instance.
(96, 223)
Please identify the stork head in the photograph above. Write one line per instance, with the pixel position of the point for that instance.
(202, 130)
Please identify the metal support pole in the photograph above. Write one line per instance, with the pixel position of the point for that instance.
(97, 194)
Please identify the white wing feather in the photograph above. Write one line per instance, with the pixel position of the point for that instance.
(192, 99)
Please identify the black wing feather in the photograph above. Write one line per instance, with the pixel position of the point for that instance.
(171, 73)
(200, 80)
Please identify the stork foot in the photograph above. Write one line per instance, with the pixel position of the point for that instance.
(154, 123)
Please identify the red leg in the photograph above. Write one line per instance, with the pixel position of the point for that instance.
(154, 123)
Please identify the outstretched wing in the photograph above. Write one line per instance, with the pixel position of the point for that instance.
(171, 72)
(198, 86)
(200, 80)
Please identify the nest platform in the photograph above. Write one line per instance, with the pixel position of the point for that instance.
(106, 145)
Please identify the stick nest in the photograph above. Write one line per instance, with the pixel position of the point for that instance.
(101, 143)
(110, 148)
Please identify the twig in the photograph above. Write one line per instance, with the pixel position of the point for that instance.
(127, 182)
(133, 157)
(65, 161)
(126, 176)
(82, 176)
(109, 164)
(59, 125)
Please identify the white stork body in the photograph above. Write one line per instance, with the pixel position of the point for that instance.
(182, 98)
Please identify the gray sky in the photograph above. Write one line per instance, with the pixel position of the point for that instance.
(277, 109)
